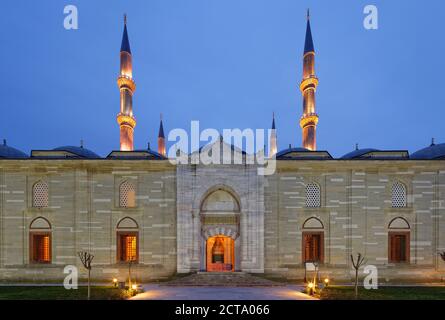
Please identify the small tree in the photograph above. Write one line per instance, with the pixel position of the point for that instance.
(356, 265)
(86, 259)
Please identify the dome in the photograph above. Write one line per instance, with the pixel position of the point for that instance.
(289, 150)
(435, 151)
(7, 152)
(79, 151)
(358, 153)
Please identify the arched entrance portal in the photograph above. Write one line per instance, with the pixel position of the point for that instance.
(220, 253)
(220, 242)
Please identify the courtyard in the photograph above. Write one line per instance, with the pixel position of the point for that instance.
(159, 292)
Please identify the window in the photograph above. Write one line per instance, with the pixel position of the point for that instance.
(40, 194)
(398, 247)
(127, 240)
(41, 248)
(312, 195)
(398, 241)
(313, 246)
(127, 195)
(40, 241)
(128, 247)
(398, 192)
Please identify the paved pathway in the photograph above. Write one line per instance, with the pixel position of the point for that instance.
(156, 292)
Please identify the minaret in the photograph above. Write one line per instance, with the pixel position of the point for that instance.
(273, 139)
(126, 84)
(161, 139)
(308, 86)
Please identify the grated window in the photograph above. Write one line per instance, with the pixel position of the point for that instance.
(313, 195)
(398, 195)
(40, 195)
(127, 195)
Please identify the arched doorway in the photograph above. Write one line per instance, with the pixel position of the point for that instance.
(220, 219)
(220, 254)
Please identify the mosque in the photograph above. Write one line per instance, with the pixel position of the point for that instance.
(166, 218)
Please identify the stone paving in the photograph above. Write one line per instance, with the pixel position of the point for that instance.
(158, 292)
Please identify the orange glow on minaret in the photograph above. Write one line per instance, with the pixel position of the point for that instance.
(308, 87)
(127, 86)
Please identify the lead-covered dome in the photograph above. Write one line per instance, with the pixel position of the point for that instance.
(358, 153)
(79, 151)
(434, 151)
(7, 152)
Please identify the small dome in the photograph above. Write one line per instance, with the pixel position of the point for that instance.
(79, 151)
(435, 151)
(358, 153)
(289, 150)
(7, 152)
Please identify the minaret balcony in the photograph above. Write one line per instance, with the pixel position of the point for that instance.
(311, 82)
(126, 120)
(126, 82)
(309, 119)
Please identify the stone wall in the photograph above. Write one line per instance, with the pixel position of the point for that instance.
(84, 212)
(356, 210)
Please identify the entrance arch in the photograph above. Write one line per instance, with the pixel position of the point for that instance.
(220, 254)
(220, 219)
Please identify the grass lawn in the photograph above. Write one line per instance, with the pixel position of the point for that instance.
(384, 293)
(60, 293)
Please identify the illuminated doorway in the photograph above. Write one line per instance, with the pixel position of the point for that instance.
(220, 254)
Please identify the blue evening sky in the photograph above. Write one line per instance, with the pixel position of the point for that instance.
(227, 63)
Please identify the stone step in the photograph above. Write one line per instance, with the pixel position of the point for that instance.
(222, 279)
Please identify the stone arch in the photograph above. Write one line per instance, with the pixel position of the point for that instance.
(40, 223)
(219, 212)
(227, 231)
(127, 223)
(399, 223)
(220, 198)
(313, 223)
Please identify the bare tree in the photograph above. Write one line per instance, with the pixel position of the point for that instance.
(357, 264)
(86, 259)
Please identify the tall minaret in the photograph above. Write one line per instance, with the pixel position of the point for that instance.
(161, 139)
(273, 139)
(308, 86)
(126, 84)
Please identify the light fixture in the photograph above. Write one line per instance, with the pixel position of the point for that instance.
(310, 287)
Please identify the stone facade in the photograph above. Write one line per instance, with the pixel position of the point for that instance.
(84, 212)
(179, 206)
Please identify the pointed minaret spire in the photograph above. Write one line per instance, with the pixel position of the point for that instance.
(273, 139)
(125, 46)
(308, 43)
(161, 139)
(127, 86)
(308, 86)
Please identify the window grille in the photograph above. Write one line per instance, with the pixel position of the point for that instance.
(312, 195)
(398, 195)
(40, 195)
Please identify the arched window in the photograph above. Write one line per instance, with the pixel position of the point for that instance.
(40, 194)
(127, 240)
(398, 241)
(313, 195)
(398, 195)
(127, 195)
(40, 241)
(313, 241)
